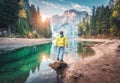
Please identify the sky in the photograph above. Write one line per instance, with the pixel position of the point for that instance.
(57, 7)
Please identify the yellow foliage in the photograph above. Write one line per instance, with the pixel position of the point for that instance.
(29, 35)
(22, 13)
(114, 13)
(117, 1)
(22, 3)
(83, 26)
(112, 29)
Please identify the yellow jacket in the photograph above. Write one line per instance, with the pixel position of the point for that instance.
(61, 41)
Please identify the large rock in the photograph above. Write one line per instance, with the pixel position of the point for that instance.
(58, 66)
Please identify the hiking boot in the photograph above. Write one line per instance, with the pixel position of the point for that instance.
(58, 59)
(61, 60)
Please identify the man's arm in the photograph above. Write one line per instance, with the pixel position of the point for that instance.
(66, 42)
(56, 41)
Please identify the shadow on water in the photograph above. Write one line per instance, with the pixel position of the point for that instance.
(31, 64)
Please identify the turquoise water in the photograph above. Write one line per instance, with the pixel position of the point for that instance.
(31, 64)
(15, 65)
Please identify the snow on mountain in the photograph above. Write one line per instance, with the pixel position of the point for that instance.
(67, 22)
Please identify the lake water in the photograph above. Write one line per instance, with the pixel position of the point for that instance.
(31, 64)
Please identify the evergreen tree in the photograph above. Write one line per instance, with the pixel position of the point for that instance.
(22, 27)
(80, 30)
(116, 19)
(25, 20)
(102, 20)
(9, 10)
(111, 3)
(33, 16)
(84, 27)
(105, 21)
(93, 20)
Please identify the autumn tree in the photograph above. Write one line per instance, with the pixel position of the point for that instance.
(115, 29)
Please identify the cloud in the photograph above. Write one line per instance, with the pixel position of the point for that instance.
(49, 4)
(75, 5)
(50, 7)
(81, 8)
(53, 5)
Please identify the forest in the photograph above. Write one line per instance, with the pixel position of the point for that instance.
(25, 20)
(104, 22)
(22, 20)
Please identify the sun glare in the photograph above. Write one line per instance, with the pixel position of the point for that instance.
(44, 58)
(44, 18)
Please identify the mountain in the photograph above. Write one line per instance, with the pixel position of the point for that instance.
(67, 22)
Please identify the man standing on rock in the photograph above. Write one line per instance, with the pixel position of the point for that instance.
(61, 43)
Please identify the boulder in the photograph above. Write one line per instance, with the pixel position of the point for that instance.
(58, 66)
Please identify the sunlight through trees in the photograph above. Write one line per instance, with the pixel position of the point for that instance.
(20, 19)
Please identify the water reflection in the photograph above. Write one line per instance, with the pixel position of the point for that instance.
(75, 51)
(15, 65)
(31, 64)
(85, 51)
(42, 73)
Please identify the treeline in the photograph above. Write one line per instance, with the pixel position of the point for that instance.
(84, 27)
(104, 22)
(20, 19)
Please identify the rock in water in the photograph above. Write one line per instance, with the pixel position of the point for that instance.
(58, 66)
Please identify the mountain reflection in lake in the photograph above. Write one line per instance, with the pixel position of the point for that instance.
(31, 64)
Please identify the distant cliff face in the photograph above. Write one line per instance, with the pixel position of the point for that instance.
(67, 22)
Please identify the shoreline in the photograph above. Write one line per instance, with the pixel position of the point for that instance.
(15, 43)
(103, 66)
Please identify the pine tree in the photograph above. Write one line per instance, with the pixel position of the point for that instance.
(9, 10)
(22, 27)
(111, 3)
(93, 20)
(33, 16)
(25, 20)
(116, 18)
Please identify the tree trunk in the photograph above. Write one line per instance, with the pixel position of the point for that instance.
(9, 29)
